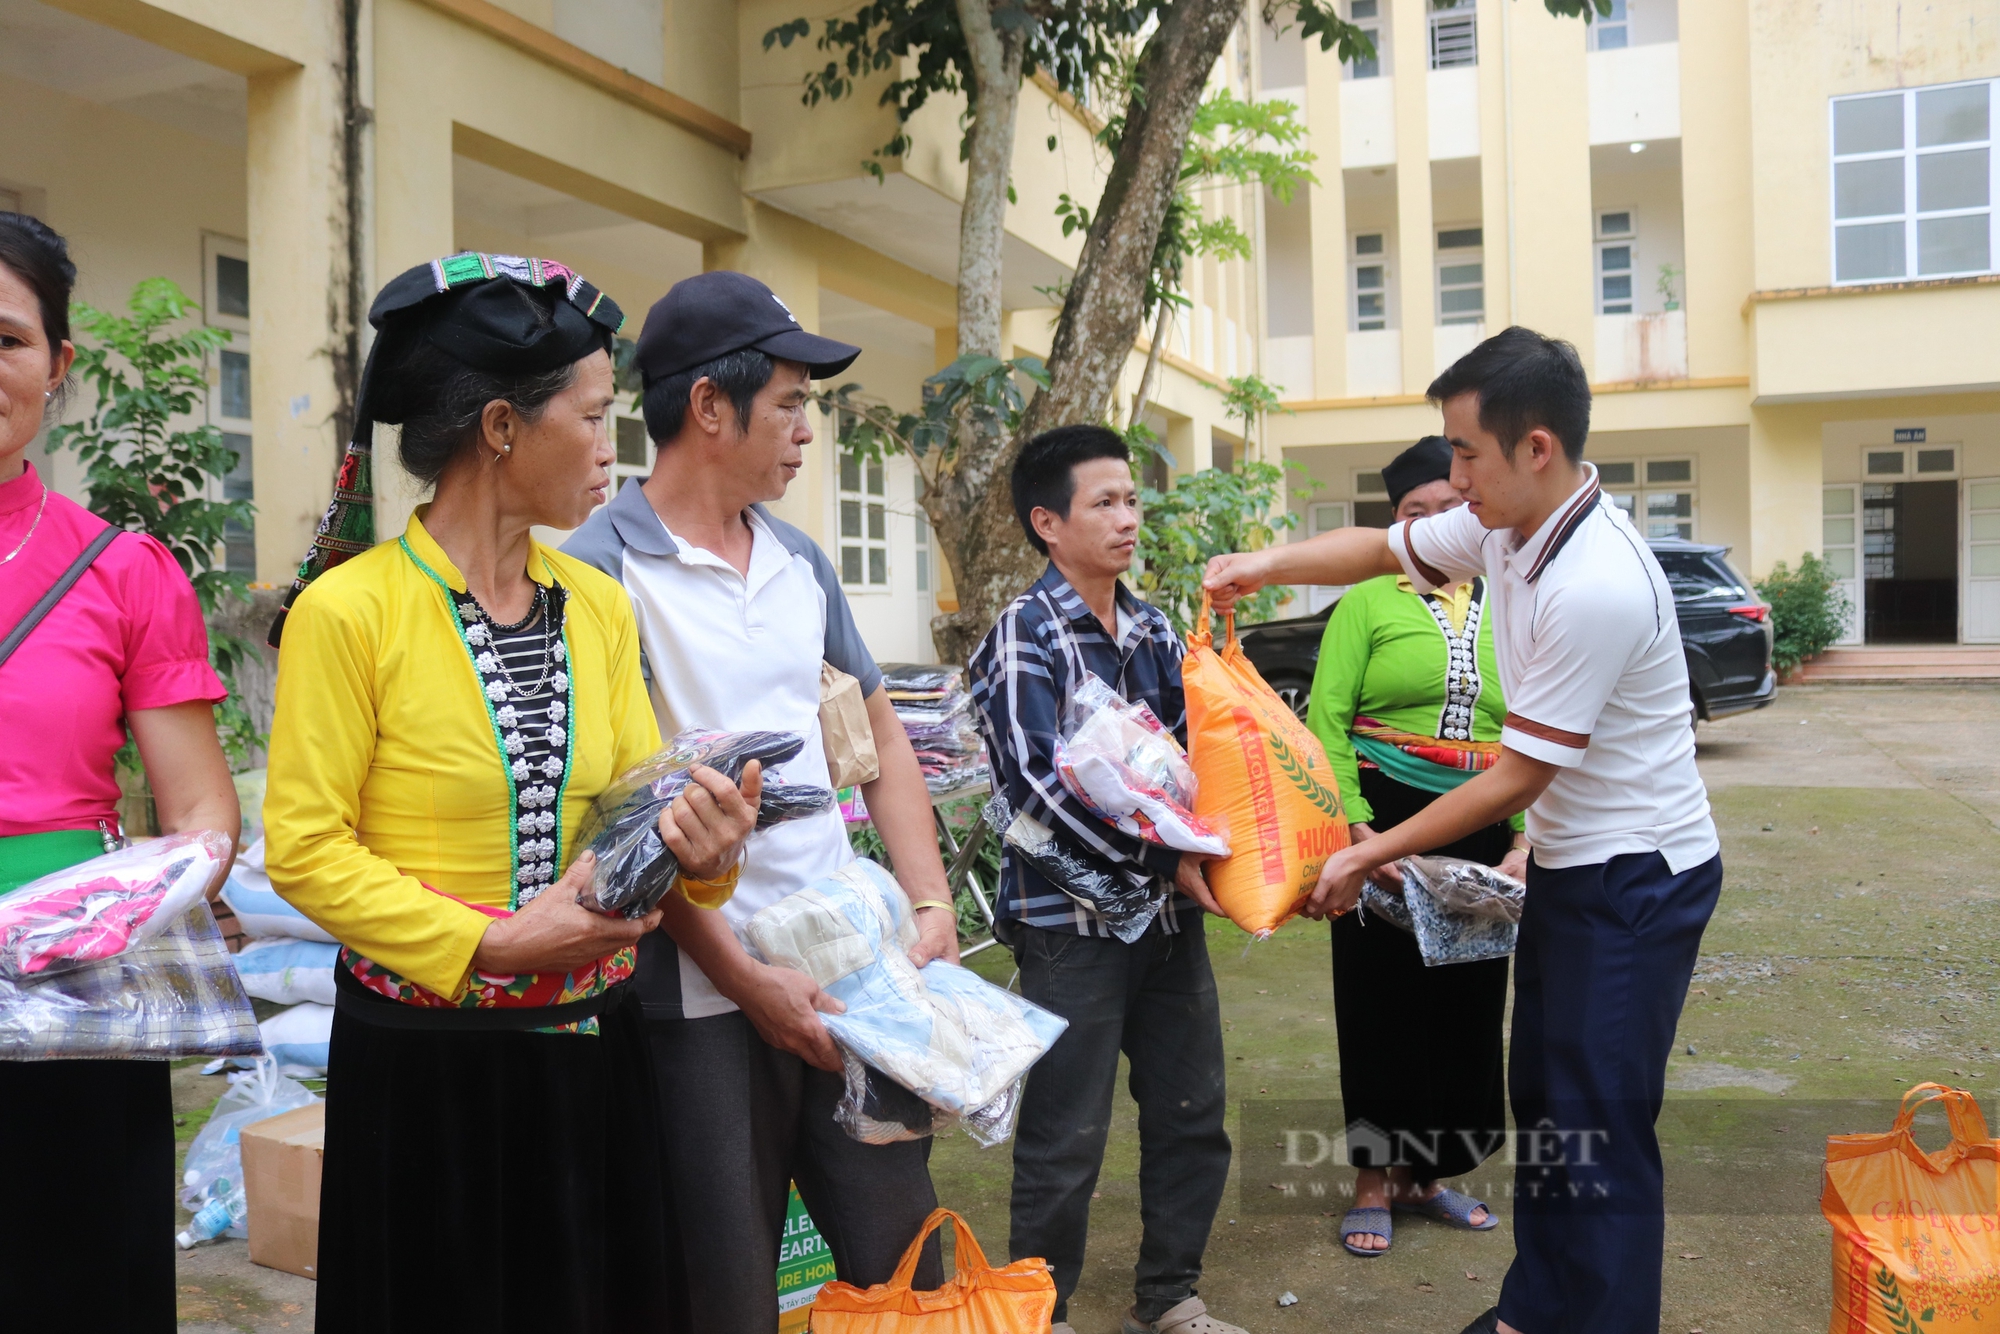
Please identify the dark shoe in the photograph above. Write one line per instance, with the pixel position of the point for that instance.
(1487, 1323)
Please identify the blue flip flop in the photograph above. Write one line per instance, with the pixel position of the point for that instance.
(1452, 1209)
(1371, 1222)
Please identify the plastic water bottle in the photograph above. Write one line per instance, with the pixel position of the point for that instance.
(227, 1205)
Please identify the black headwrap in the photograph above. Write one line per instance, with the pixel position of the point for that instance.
(470, 306)
(1429, 460)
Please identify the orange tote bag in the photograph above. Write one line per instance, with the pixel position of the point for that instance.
(978, 1299)
(1916, 1235)
(1262, 776)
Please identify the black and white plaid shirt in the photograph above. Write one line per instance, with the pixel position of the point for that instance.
(1021, 676)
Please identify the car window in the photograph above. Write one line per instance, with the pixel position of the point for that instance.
(1696, 574)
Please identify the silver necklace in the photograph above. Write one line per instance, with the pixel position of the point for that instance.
(494, 630)
(31, 527)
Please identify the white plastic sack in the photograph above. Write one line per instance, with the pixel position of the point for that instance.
(288, 971)
(1121, 762)
(297, 1039)
(257, 906)
(216, 1154)
(954, 1039)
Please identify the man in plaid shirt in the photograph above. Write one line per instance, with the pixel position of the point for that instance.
(1153, 998)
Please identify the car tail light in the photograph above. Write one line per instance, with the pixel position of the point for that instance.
(1752, 611)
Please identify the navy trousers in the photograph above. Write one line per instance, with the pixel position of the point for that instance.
(1600, 973)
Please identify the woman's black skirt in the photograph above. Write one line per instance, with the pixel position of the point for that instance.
(500, 1181)
(1420, 1048)
(88, 1241)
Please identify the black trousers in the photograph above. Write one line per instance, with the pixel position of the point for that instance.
(1155, 1000)
(1601, 973)
(742, 1121)
(90, 1158)
(1422, 1071)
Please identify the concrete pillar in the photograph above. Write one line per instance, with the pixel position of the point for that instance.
(1785, 477)
(1415, 279)
(412, 204)
(1327, 201)
(1715, 184)
(298, 195)
(1494, 221)
(1551, 152)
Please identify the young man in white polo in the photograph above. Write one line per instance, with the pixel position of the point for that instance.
(736, 611)
(1598, 749)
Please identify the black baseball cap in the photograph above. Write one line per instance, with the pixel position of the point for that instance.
(713, 314)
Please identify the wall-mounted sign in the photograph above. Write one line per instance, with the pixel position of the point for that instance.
(1910, 435)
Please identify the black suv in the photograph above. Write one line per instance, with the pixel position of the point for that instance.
(1725, 631)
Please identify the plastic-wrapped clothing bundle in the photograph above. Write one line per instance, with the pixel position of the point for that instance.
(1128, 901)
(1460, 911)
(954, 1039)
(635, 869)
(1125, 766)
(216, 1156)
(176, 994)
(98, 908)
(936, 711)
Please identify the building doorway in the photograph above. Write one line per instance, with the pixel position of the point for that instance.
(1910, 555)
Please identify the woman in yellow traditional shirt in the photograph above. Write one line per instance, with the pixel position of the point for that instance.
(448, 705)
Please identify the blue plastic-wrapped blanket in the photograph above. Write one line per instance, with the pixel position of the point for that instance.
(958, 1042)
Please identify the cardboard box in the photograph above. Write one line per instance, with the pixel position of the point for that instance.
(281, 1166)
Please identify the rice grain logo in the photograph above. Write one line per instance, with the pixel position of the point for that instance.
(1263, 801)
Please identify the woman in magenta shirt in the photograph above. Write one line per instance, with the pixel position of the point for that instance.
(90, 1144)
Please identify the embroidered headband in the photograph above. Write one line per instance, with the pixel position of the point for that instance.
(505, 314)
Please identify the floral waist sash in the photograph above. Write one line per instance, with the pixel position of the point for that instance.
(1428, 763)
(499, 990)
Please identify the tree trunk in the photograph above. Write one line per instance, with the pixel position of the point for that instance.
(952, 499)
(1149, 378)
(991, 562)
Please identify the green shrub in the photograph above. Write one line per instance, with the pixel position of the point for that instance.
(1809, 610)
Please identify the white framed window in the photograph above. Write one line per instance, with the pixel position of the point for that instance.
(225, 299)
(1366, 15)
(864, 523)
(1913, 183)
(1461, 275)
(1371, 281)
(634, 457)
(1454, 34)
(1658, 495)
(1371, 500)
(1617, 260)
(1936, 460)
(923, 550)
(1612, 32)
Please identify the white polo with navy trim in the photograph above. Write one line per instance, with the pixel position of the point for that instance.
(1595, 679)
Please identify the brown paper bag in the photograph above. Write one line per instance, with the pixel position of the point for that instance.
(844, 729)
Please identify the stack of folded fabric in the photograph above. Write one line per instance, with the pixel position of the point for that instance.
(936, 711)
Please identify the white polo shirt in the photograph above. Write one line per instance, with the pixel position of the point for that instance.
(1591, 663)
(739, 652)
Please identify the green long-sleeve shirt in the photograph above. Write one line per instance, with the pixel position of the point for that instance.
(1386, 655)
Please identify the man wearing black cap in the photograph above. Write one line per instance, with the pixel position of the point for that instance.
(737, 611)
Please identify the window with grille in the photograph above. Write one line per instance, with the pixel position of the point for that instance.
(1454, 36)
(1371, 287)
(1364, 15)
(1913, 183)
(1617, 253)
(864, 523)
(1461, 276)
(226, 302)
(1612, 32)
(1658, 495)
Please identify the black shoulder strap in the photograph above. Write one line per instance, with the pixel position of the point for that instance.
(56, 592)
